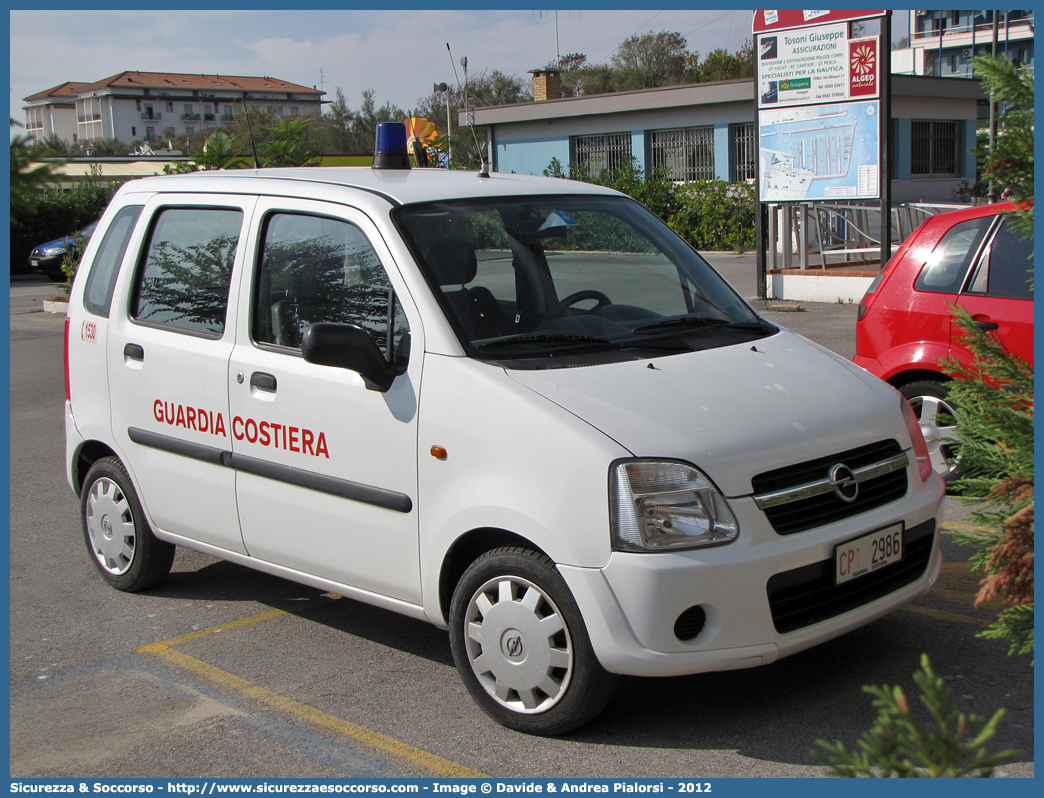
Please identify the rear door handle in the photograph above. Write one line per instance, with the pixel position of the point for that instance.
(134, 352)
(988, 326)
(263, 382)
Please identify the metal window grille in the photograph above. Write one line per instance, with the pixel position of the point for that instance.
(935, 148)
(607, 151)
(744, 154)
(684, 153)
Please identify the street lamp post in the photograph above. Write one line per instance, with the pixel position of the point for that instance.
(444, 90)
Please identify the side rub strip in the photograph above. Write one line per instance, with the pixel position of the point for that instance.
(389, 500)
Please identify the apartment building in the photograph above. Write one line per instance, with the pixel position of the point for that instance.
(154, 105)
(52, 113)
(942, 43)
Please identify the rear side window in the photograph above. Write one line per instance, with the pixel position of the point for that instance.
(97, 292)
(947, 266)
(317, 269)
(184, 281)
(1006, 268)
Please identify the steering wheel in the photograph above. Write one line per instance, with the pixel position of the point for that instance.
(572, 299)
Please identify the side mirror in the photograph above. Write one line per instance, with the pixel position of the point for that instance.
(346, 346)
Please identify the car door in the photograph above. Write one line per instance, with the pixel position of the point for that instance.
(168, 349)
(326, 468)
(999, 296)
(927, 312)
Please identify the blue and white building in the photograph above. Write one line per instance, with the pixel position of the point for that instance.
(705, 131)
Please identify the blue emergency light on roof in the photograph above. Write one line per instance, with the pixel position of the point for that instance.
(389, 150)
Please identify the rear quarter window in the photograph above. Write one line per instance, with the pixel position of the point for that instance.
(97, 292)
(947, 266)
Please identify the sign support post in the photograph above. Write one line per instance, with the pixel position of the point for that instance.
(886, 138)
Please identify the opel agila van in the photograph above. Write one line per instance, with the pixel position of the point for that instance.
(519, 408)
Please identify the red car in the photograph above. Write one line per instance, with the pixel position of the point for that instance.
(971, 258)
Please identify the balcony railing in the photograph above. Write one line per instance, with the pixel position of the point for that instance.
(983, 30)
(151, 115)
(189, 117)
(94, 118)
(226, 117)
(207, 117)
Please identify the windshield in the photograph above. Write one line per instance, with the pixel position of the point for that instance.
(575, 279)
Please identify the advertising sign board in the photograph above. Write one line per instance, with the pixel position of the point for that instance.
(765, 21)
(803, 66)
(864, 67)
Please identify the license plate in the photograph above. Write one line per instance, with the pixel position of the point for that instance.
(866, 554)
(34, 263)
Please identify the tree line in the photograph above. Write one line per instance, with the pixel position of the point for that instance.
(640, 62)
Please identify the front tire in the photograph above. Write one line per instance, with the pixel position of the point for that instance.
(521, 646)
(928, 400)
(122, 547)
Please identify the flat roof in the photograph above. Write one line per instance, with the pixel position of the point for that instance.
(697, 94)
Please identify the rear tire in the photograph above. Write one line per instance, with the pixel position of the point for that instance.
(521, 646)
(928, 398)
(122, 547)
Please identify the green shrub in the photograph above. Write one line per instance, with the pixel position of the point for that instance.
(994, 406)
(712, 215)
(952, 745)
(716, 216)
(56, 213)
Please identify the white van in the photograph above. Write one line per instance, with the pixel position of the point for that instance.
(519, 408)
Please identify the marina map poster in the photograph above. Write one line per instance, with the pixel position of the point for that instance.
(820, 152)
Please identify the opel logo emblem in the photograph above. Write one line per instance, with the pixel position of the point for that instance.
(514, 646)
(844, 483)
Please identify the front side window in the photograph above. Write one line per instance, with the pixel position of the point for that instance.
(538, 282)
(184, 281)
(317, 269)
(1006, 268)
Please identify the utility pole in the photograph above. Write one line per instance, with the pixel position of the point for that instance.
(992, 193)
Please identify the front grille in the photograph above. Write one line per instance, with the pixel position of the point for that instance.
(825, 508)
(808, 595)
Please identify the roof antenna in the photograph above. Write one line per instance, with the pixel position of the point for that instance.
(469, 115)
(250, 130)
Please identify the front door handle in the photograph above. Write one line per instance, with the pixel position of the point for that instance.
(263, 382)
(134, 352)
(988, 326)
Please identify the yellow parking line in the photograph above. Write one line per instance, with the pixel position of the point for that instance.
(164, 650)
(225, 627)
(950, 617)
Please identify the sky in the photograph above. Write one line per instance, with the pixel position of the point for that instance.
(399, 54)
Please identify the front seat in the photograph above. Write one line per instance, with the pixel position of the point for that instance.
(452, 262)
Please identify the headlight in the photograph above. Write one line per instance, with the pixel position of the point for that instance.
(50, 252)
(658, 505)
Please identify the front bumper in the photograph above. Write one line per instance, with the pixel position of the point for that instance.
(632, 604)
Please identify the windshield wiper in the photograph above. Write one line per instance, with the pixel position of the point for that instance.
(550, 338)
(701, 321)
